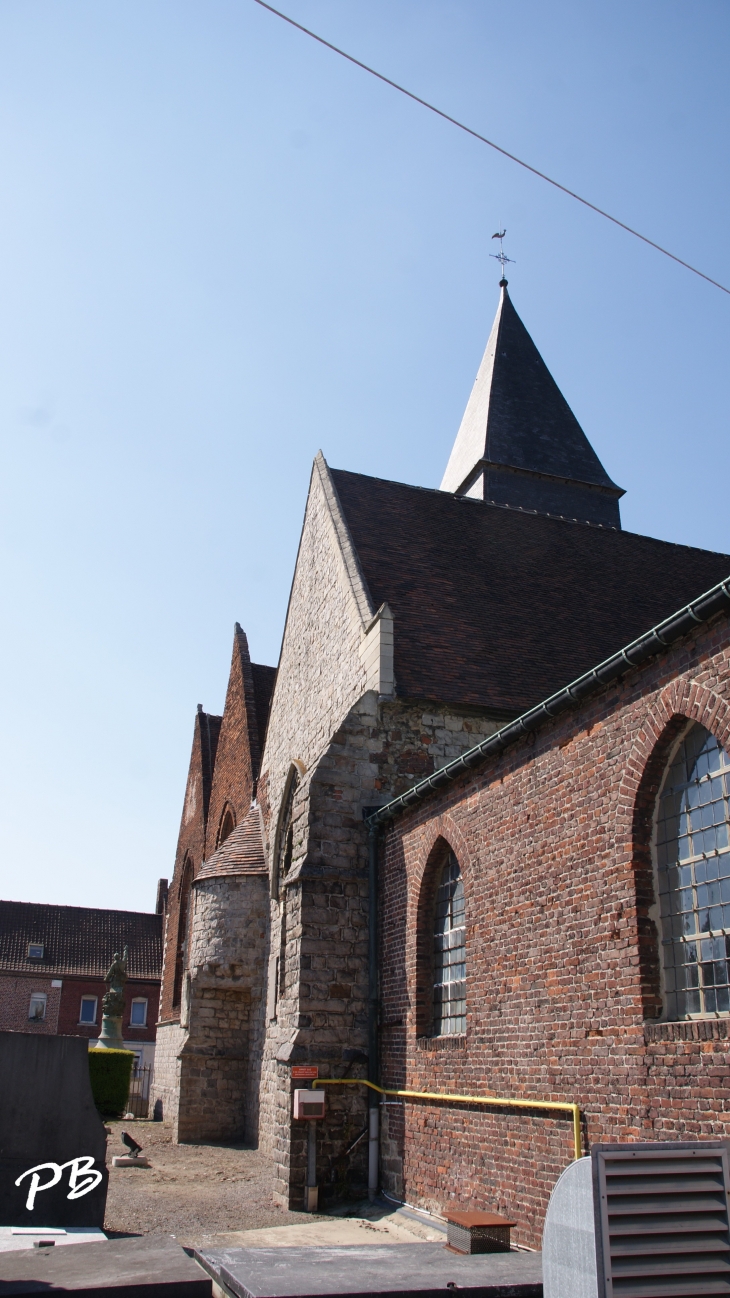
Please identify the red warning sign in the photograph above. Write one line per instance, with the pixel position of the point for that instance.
(305, 1073)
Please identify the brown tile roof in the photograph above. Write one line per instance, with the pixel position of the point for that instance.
(499, 608)
(242, 852)
(77, 940)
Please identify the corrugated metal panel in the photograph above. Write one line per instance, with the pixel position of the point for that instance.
(662, 1228)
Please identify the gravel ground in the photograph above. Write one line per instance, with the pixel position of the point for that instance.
(190, 1190)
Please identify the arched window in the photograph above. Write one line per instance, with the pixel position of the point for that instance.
(227, 826)
(184, 890)
(693, 869)
(285, 839)
(449, 953)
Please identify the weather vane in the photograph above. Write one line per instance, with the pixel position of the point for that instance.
(500, 256)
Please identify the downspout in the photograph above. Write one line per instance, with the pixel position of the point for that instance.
(373, 1069)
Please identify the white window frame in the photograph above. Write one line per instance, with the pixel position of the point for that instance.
(36, 950)
(38, 997)
(449, 953)
(88, 1023)
(138, 1000)
(698, 936)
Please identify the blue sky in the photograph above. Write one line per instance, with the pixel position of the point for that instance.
(222, 248)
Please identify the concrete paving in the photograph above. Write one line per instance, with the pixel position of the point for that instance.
(420, 1270)
(332, 1231)
(121, 1268)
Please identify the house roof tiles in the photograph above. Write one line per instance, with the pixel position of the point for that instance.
(78, 940)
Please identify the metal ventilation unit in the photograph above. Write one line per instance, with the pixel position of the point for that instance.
(641, 1221)
(662, 1210)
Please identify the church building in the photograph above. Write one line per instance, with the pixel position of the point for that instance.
(470, 837)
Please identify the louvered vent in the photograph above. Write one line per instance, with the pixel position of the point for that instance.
(662, 1219)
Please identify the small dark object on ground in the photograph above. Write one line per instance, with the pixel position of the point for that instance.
(131, 1144)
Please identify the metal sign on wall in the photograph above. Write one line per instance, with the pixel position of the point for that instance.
(52, 1140)
(304, 1073)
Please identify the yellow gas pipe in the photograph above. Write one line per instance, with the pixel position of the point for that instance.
(565, 1107)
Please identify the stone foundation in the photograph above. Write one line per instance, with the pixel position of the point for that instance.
(165, 1088)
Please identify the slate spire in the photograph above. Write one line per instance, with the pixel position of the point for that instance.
(519, 443)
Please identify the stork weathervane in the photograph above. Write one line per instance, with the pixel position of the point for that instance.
(500, 256)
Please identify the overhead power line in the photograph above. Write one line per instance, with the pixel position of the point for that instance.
(483, 139)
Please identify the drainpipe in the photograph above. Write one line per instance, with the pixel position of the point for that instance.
(373, 1070)
(311, 1193)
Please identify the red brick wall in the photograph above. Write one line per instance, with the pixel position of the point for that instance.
(15, 994)
(237, 757)
(74, 988)
(190, 848)
(553, 839)
(229, 784)
(64, 1005)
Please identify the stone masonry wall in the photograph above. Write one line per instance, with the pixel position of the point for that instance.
(320, 679)
(353, 749)
(165, 1089)
(222, 1009)
(553, 840)
(379, 750)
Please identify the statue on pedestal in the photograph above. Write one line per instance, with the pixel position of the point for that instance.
(113, 1004)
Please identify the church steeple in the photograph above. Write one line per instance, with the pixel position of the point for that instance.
(519, 442)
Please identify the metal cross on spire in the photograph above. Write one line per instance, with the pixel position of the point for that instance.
(500, 256)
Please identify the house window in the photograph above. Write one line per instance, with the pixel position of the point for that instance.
(449, 953)
(693, 869)
(87, 1013)
(37, 1008)
(35, 950)
(138, 1015)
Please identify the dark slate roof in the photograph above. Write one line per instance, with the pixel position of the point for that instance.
(264, 679)
(241, 853)
(499, 608)
(519, 443)
(78, 940)
(531, 426)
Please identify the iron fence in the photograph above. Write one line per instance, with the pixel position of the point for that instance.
(139, 1092)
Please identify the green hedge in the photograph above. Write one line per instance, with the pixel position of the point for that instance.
(110, 1072)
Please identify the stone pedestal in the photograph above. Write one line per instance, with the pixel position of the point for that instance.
(111, 1034)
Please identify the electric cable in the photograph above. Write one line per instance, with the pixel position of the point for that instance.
(505, 153)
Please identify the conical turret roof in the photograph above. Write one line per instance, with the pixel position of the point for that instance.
(519, 442)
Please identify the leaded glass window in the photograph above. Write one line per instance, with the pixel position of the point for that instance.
(693, 864)
(449, 954)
